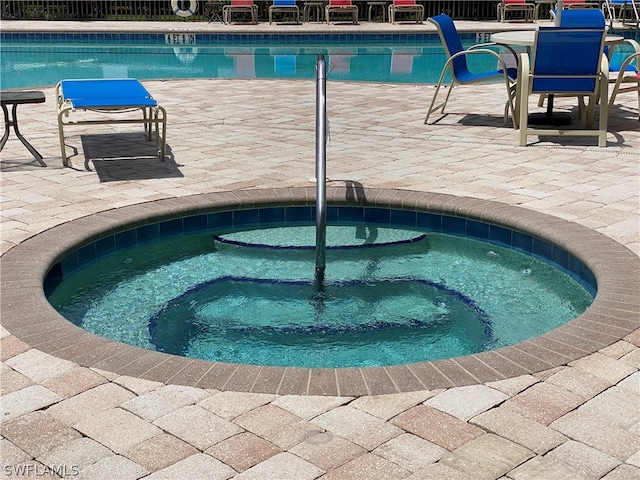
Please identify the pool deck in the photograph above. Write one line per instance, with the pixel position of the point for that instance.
(576, 421)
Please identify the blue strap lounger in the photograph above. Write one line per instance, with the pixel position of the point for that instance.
(113, 95)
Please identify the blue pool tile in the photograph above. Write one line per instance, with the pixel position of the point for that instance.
(429, 221)
(560, 257)
(220, 220)
(246, 218)
(105, 246)
(272, 215)
(477, 230)
(196, 223)
(522, 241)
(299, 214)
(500, 235)
(125, 239)
(351, 214)
(379, 216)
(332, 215)
(171, 227)
(542, 249)
(69, 263)
(87, 254)
(453, 225)
(147, 233)
(403, 218)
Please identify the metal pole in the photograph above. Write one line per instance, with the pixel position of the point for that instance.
(321, 169)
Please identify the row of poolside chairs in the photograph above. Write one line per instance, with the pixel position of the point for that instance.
(342, 7)
(567, 60)
(624, 11)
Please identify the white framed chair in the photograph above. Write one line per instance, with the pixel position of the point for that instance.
(565, 62)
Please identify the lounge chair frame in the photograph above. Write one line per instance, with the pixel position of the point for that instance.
(153, 115)
(341, 7)
(240, 7)
(284, 6)
(626, 79)
(408, 8)
(528, 8)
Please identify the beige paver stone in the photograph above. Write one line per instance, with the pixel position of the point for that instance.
(139, 386)
(615, 405)
(4, 332)
(512, 426)
(89, 403)
(327, 450)
(599, 434)
(388, 406)
(34, 469)
(307, 407)
(634, 459)
(195, 467)
(77, 454)
(163, 400)
(467, 402)
(623, 472)
(117, 429)
(39, 366)
(357, 426)
(579, 382)
(632, 358)
(197, 426)
(12, 454)
(278, 426)
(366, 467)
(25, 400)
(631, 383)
(450, 432)
(543, 402)
(438, 471)
(37, 432)
(513, 386)
(487, 457)
(11, 346)
(229, 405)
(74, 381)
(281, 467)
(604, 367)
(584, 460)
(243, 451)
(410, 451)
(159, 451)
(539, 468)
(13, 381)
(105, 469)
(618, 349)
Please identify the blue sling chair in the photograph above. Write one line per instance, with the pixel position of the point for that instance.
(457, 66)
(566, 62)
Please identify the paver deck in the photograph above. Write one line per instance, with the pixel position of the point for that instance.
(580, 420)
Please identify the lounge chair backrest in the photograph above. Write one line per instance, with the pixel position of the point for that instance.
(566, 59)
(404, 2)
(450, 40)
(247, 3)
(514, 2)
(284, 3)
(584, 18)
(340, 3)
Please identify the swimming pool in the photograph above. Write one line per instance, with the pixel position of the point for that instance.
(29, 60)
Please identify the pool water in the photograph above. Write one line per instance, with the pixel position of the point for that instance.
(409, 297)
(38, 64)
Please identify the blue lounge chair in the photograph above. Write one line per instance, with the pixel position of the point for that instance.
(109, 96)
(458, 68)
(284, 6)
(566, 62)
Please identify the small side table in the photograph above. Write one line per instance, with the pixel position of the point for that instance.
(15, 99)
(382, 5)
(309, 6)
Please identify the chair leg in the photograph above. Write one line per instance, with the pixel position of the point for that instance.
(433, 107)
